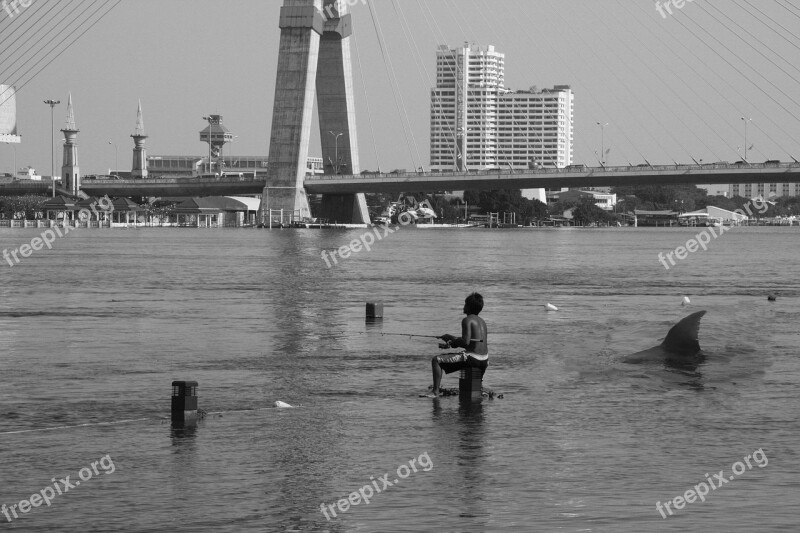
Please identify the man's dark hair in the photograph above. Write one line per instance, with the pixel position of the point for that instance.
(474, 303)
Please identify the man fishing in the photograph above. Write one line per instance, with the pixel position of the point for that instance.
(473, 344)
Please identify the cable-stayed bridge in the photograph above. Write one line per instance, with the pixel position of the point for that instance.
(448, 181)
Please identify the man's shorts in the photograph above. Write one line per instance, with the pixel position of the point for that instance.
(453, 362)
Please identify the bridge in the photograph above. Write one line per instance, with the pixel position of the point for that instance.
(173, 187)
(22, 187)
(557, 178)
(441, 181)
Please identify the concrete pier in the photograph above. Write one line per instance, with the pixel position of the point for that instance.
(313, 60)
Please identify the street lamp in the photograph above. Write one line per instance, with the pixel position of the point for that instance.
(116, 156)
(745, 120)
(52, 104)
(602, 142)
(336, 166)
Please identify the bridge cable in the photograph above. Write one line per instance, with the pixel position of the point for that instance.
(737, 69)
(392, 76)
(530, 152)
(628, 90)
(772, 20)
(76, 37)
(795, 13)
(32, 52)
(441, 119)
(412, 44)
(366, 101)
(686, 104)
(575, 76)
(704, 77)
(762, 43)
(29, 17)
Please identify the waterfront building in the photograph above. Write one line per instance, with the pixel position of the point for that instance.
(477, 123)
(605, 201)
(139, 168)
(766, 191)
(464, 107)
(535, 128)
(70, 171)
(187, 166)
(217, 212)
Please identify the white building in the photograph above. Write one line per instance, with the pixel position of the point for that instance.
(536, 128)
(764, 190)
(477, 123)
(464, 110)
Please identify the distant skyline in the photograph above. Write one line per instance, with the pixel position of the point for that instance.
(671, 88)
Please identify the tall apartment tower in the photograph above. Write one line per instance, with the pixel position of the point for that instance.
(70, 172)
(139, 168)
(464, 119)
(536, 128)
(476, 122)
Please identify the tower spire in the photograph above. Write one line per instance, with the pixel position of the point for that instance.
(140, 122)
(70, 171)
(70, 116)
(139, 169)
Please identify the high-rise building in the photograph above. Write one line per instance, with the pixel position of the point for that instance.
(535, 128)
(478, 123)
(464, 107)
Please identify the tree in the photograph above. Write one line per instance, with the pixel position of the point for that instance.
(662, 197)
(586, 212)
(27, 206)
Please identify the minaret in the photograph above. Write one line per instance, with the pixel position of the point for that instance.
(70, 173)
(139, 169)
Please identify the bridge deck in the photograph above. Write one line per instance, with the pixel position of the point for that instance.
(556, 178)
(439, 181)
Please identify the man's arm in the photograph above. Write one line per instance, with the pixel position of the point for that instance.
(466, 336)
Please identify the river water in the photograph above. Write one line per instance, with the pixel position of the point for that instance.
(93, 332)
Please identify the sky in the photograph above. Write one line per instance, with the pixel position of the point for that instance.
(671, 87)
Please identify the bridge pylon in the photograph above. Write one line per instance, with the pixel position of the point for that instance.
(313, 61)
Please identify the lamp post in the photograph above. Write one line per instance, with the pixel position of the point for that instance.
(336, 136)
(52, 104)
(602, 142)
(116, 156)
(745, 120)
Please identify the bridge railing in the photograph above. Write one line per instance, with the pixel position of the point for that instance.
(566, 170)
(178, 181)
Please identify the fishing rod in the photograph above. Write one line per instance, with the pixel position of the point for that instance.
(410, 335)
(414, 335)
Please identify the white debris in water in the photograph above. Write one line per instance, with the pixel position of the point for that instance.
(282, 405)
(551, 307)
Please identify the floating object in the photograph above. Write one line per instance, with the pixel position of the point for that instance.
(551, 307)
(282, 405)
(772, 297)
(184, 401)
(680, 348)
(686, 301)
(374, 310)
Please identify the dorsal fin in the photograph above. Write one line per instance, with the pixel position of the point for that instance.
(682, 338)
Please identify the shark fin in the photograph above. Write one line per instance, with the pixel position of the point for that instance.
(682, 338)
